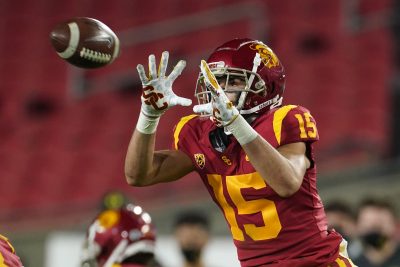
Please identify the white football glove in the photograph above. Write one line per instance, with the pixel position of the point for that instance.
(157, 94)
(221, 109)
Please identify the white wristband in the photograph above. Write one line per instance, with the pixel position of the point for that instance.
(242, 130)
(147, 125)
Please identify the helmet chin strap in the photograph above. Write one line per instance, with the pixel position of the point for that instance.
(275, 102)
(256, 64)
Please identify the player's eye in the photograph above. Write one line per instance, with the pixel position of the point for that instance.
(221, 79)
(232, 82)
(237, 81)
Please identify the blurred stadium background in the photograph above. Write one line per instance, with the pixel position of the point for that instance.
(64, 131)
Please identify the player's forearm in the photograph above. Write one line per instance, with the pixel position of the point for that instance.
(278, 171)
(139, 159)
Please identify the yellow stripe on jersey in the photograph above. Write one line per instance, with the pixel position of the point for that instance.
(8, 242)
(279, 115)
(340, 262)
(179, 127)
(2, 264)
(343, 253)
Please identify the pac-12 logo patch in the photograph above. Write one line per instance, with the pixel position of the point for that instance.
(200, 160)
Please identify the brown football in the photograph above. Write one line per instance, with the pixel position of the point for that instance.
(85, 42)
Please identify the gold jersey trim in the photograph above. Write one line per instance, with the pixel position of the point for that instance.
(8, 243)
(2, 264)
(179, 127)
(279, 115)
(2, 260)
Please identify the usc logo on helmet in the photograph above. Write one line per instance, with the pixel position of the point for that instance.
(200, 160)
(268, 57)
(108, 218)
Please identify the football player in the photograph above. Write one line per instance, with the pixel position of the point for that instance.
(254, 155)
(8, 258)
(123, 237)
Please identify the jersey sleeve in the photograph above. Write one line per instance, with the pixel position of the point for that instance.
(183, 129)
(7, 254)
(294, 124)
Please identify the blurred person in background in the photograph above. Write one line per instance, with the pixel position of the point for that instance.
(254, 155)
(342, 219)
(120, 237)
(378, 230)
(192, 232)
(8, 258)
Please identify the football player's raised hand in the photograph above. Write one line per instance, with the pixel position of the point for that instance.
(221, 109)
(157, 94)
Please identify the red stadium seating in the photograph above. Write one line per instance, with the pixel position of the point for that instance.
(75, 152)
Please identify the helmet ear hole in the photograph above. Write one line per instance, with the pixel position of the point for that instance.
(259, 85)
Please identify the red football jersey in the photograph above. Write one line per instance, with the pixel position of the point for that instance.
(8, 258)
(268, 230)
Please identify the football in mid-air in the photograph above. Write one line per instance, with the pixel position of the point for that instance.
(85, 42)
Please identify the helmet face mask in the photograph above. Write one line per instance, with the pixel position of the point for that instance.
(234, 80)
(256, 65)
